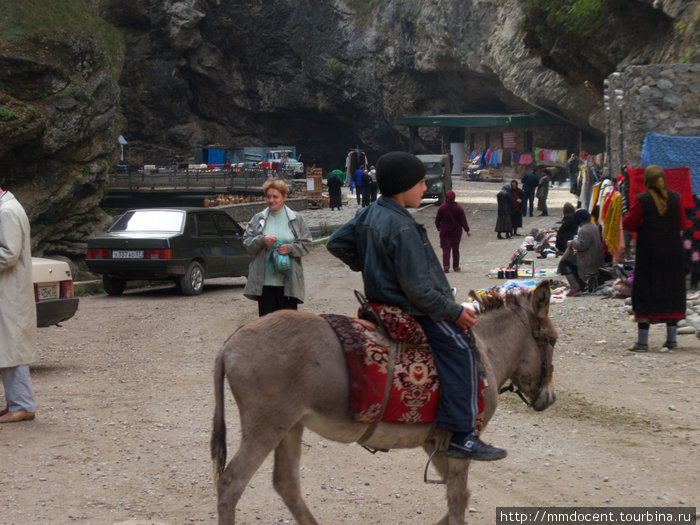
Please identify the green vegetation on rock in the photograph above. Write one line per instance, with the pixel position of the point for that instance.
(689, 33)
(572, 27)
(336, 66)
(365, 9)
(41, 21)
(7, 114)
(575, 18)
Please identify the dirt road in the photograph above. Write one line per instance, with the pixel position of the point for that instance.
(124, 393)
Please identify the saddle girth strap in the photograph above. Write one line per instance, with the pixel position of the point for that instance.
(393, 348)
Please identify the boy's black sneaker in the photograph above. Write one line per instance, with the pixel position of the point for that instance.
(473, 448)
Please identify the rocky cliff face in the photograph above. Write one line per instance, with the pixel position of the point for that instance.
(59, 118)
(324, 76)
(327, 76)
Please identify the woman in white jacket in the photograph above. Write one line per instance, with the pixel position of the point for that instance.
(17, 311)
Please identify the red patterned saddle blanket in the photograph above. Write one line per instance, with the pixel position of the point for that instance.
(414, 389)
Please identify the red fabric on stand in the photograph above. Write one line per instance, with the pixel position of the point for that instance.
(677, 179)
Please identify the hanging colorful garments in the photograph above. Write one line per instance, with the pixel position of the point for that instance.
(525, 159)
(612, 227)
(593, 199)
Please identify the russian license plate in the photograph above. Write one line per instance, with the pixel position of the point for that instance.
(47, 292)
(127, 254)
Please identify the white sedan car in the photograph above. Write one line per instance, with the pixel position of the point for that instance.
(53, 291)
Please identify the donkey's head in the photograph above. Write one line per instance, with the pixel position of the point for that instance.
(521, 336)
(534, 373)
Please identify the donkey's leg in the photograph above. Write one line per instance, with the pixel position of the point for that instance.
(286, 475)
(457, 490)
(456, 471)
(254, 448)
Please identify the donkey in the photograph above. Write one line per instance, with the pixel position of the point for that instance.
(287, 371)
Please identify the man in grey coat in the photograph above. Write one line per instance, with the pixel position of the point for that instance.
(583, 256)
(17, 311)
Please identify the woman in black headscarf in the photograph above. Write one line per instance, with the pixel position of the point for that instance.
(658, 290)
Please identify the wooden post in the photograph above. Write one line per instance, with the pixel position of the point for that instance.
(314, 187)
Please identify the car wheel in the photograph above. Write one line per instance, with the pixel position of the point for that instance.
(113, 285)
(193, 281)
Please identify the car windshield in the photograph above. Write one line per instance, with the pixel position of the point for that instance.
(150, 221)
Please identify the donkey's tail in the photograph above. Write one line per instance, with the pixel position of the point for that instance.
(217, 444)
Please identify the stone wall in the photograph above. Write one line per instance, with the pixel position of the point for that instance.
(663, 98)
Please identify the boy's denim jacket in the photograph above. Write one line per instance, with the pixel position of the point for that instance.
(398, 264)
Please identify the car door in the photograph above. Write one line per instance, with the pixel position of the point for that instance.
(237, 258)
(211, 245)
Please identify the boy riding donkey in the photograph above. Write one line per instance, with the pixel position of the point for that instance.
(400, 268)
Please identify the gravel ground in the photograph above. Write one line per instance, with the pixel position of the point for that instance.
(125, 400)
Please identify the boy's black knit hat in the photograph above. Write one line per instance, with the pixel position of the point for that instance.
(398, 171)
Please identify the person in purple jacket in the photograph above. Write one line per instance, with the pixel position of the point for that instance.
(450, 221)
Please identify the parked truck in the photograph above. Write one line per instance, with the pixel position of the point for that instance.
(271, 157)
(438, 176)
(287, 158)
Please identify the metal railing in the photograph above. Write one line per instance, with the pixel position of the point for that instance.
(174, 178)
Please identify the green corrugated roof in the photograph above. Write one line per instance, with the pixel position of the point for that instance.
(483, 120)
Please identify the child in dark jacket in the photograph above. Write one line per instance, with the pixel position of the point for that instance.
(400, 268)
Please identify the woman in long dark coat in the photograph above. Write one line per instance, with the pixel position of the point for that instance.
(505, 212)
(658, 291)
(518, 206)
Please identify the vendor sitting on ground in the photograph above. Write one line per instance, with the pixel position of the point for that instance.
(583, 256)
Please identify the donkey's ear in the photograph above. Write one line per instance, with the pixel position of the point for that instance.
(476, 297)
(540, 300)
